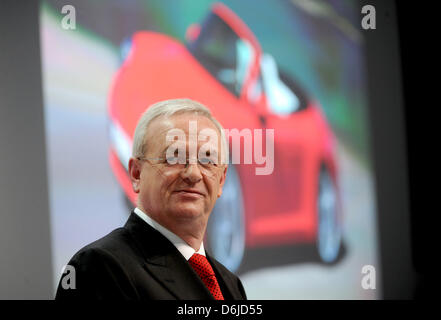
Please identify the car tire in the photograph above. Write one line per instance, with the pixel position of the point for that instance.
(329, 229)
(226, 228)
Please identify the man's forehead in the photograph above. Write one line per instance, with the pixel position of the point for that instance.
(162, 126)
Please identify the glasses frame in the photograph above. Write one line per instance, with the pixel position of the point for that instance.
(217, 167)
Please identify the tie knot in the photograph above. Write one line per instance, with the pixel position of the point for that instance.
(201, 265)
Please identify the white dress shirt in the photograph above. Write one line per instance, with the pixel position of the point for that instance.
(182, 246)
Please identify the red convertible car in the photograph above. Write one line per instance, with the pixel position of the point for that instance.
(223, 66)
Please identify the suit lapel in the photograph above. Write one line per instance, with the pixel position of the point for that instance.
(175, 274)
(165, 263)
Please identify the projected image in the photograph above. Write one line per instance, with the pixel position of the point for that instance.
(227, 71)
(303, 231)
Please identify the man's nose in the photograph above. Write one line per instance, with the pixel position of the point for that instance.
(191, 173)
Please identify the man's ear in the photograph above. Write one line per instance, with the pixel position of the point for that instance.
(222, 181)
(135, 173)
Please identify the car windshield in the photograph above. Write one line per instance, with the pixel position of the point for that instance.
(226, 56)
(281, 99)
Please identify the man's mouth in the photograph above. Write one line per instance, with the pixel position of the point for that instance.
(190, 192)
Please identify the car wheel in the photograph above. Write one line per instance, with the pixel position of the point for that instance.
(226, 228)
(329, 227)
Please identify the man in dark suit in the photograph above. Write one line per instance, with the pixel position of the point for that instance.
(178, 168)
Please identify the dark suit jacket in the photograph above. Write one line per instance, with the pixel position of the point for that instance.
(137, 262)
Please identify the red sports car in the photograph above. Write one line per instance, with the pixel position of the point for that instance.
(222, 66)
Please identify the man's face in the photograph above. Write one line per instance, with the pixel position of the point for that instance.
(173, 194)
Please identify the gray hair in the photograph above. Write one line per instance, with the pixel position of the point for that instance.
(168, 108)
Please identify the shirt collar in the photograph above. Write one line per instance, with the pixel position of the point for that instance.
(182, 246)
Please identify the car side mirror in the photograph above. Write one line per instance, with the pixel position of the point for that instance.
(192, 32)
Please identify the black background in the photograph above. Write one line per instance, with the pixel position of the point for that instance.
(417, 35)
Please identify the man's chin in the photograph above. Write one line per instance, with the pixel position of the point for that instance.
(189, 211)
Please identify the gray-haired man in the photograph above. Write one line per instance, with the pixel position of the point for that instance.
(178, 168)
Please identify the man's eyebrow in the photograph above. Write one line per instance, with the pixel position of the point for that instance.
(212, 151)
(165, 149)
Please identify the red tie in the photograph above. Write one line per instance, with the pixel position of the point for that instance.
(204, 270)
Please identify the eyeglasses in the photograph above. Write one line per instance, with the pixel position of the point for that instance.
(209, 167)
